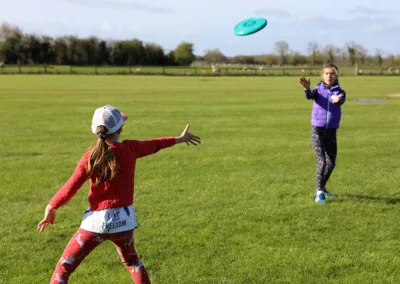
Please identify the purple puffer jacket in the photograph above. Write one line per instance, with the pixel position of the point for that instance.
(325, 113)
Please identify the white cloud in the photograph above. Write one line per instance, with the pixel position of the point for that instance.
(372, 12)
(365, 23)
(106, 26)
(271, 12)
(374, 28)
(107, 4)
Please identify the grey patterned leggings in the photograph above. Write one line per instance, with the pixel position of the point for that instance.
(325, 148)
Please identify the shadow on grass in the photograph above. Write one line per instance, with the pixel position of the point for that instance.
(360, 197)
(22, 154)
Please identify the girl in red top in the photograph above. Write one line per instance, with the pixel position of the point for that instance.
(110, 166)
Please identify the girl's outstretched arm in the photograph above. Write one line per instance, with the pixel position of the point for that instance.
(308, 93)
(65, 193)
(147, 147)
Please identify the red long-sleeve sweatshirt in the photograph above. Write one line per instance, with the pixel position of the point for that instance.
(118, 192)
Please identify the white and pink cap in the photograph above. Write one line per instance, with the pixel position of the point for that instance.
(109, 117)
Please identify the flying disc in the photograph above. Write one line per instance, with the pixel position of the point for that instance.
(250, 26)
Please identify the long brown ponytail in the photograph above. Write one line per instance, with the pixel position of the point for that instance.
(102, 163)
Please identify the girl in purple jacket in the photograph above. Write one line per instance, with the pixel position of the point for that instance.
(325, 119)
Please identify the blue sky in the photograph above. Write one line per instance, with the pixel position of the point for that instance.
(209, 24)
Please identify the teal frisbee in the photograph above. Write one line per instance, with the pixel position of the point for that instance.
(250, 26)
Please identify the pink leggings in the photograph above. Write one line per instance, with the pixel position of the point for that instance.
(83, 242)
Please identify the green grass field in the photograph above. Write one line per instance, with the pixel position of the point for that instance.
(236, 209)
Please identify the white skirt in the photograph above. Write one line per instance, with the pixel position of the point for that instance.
(109, 221)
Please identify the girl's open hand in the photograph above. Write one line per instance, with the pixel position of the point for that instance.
(49, 218)
(305, 82)
(188, 137)
(337, 99)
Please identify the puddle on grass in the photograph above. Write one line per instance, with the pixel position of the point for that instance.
(370, 101)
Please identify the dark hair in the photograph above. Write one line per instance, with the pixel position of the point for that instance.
(101, 162)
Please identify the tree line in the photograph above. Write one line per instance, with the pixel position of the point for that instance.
(349, 55)
(17, 47)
